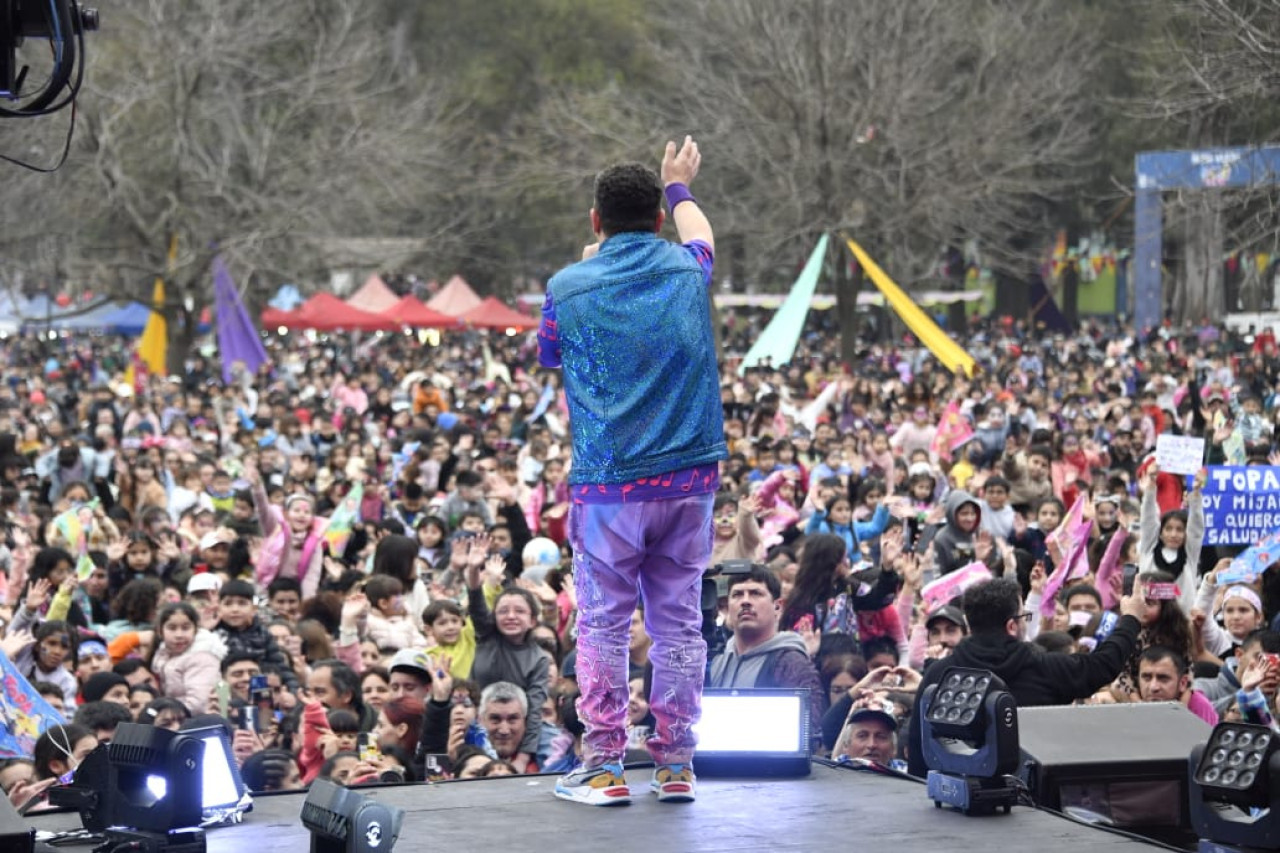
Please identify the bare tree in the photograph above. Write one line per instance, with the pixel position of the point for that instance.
(263, 131)
(912, 124)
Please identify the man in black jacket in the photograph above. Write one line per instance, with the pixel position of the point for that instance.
(997, 624)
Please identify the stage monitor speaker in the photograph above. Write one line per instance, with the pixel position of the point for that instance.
(1123, 765)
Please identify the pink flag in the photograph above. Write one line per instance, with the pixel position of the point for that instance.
(953, 431)
(1109, 566)
(1071, 537)
(939, 592)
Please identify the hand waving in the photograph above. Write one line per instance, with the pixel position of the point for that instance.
(681, 166)
(38, 595)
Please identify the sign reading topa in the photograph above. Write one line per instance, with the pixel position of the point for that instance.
(1241, 504)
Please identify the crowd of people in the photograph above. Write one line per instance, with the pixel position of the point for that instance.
(436, 638)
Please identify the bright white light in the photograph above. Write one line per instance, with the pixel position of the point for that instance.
(511, 333)
(157, 786)
(219, 785)
(746, 723)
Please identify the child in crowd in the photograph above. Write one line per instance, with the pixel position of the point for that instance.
(241, 630)
(186, 658)
(388, 623)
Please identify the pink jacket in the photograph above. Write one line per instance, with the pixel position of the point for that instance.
(191, 676)
(277, 542)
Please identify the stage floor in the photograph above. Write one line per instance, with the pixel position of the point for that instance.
(827, 810)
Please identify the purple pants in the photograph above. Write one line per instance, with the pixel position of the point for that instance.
(657, 550)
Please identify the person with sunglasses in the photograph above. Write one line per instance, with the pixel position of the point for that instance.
(998, 619)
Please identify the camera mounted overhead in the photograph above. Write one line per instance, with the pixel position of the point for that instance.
(63, 23)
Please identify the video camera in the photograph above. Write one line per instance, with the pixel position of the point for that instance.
(63, 23)
(715, 584)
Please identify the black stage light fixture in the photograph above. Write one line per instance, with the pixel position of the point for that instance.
(1235, 788)
(344, 821)
(157, 789)
(969, 726)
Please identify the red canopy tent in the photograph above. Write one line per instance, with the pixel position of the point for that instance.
(274, 318)
(410, 311)
(325, 312)
(456, 299)
(493, 314)
(374, 296)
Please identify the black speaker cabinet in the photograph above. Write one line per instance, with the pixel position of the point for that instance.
(1123, 765)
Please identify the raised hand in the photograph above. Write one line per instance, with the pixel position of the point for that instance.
(1039, 578)
(441, 677)
(458, 554)
(354, 608)
(912, 572)
(495, 568)
(478, 550)
(15, 642)
(38, 595)
(812, 637)
(680, 166)
(983, 545)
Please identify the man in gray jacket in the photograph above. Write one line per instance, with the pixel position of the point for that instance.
(759, 655)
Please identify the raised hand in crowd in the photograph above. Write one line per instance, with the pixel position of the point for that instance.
(495, 569)
(983, 545)
(477, 552)
(355, 608)
(1263, 671)
(38, 595)
(458, 554)
(441, 677)
(15, 641)
(812, 636)
(1038, 578)
(1135, 603)
(245, 743)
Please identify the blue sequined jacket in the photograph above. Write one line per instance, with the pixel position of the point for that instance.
(635, 342)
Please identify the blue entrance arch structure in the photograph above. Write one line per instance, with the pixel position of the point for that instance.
(1159, 171)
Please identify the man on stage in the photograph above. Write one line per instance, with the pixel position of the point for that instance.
(630, 327)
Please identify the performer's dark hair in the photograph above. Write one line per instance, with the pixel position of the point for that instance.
(628, 197)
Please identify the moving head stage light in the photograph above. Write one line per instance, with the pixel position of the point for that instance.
(969, 724)
(145, 790)
(344, 821)
(1235, 788)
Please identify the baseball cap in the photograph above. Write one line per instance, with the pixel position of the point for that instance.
(951, 613)
(216, 537)
(875, 714)
(203, 582)
(414, 660)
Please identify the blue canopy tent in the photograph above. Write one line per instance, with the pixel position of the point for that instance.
(89, 320)
(129, 320)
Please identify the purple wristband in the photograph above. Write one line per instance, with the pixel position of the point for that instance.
(677, 193)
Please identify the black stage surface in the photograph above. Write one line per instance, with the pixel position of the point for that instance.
(828, 810)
